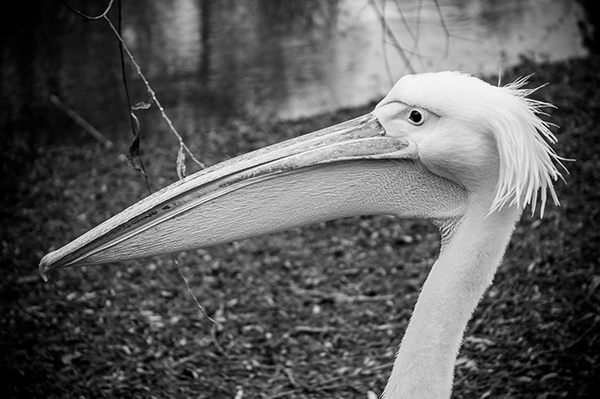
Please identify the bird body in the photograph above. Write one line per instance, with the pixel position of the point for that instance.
(446, 147)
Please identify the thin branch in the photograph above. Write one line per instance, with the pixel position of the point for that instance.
(132, 118)
(391, 36)
(80, 121)
(182, 146)
(444, 26)
(404, 21)
(415, 37)
(135, 128)
(385, 55)
(87, 16)
(189, 289)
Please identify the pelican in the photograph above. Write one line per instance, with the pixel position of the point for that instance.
(446, 147)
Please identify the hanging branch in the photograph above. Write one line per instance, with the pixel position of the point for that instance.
(133, 156)
(183, 148)
(87, 16)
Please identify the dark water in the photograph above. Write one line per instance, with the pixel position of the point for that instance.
(209, 60)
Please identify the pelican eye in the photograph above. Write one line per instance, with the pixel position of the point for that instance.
(416, 117)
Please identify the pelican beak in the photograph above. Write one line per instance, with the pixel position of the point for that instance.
(344, 170)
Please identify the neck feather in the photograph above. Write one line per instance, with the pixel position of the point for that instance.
(472, 251)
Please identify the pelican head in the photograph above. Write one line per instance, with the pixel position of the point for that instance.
(475, 134)
(446, 147)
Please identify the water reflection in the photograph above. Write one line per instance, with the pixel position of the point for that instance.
(290, 61)
(284, 59)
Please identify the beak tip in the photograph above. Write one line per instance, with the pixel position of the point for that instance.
(42, 271)
(45, 266)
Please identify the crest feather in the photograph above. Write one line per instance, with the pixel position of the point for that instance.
(528, 164)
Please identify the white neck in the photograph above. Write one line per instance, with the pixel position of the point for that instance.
(424, 366)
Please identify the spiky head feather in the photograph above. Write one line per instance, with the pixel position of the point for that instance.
(528, 164)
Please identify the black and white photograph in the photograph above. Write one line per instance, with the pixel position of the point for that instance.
(286, 199)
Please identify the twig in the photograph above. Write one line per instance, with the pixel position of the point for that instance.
(80, 121)
(444, 26)
(134, 155)
(388, 32)
(405, 22)
(108, 7)
(182, 146)
(187, 285)
(215, 340)
(385, 54)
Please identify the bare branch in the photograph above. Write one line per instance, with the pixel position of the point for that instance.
(392, 37)
(444, 26)
(152, 94)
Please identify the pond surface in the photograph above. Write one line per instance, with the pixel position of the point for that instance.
(320, 58)
(284, 59)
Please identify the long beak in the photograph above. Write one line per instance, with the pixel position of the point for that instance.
(348, 169)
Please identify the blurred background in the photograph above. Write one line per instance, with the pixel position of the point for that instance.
(276, 60)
